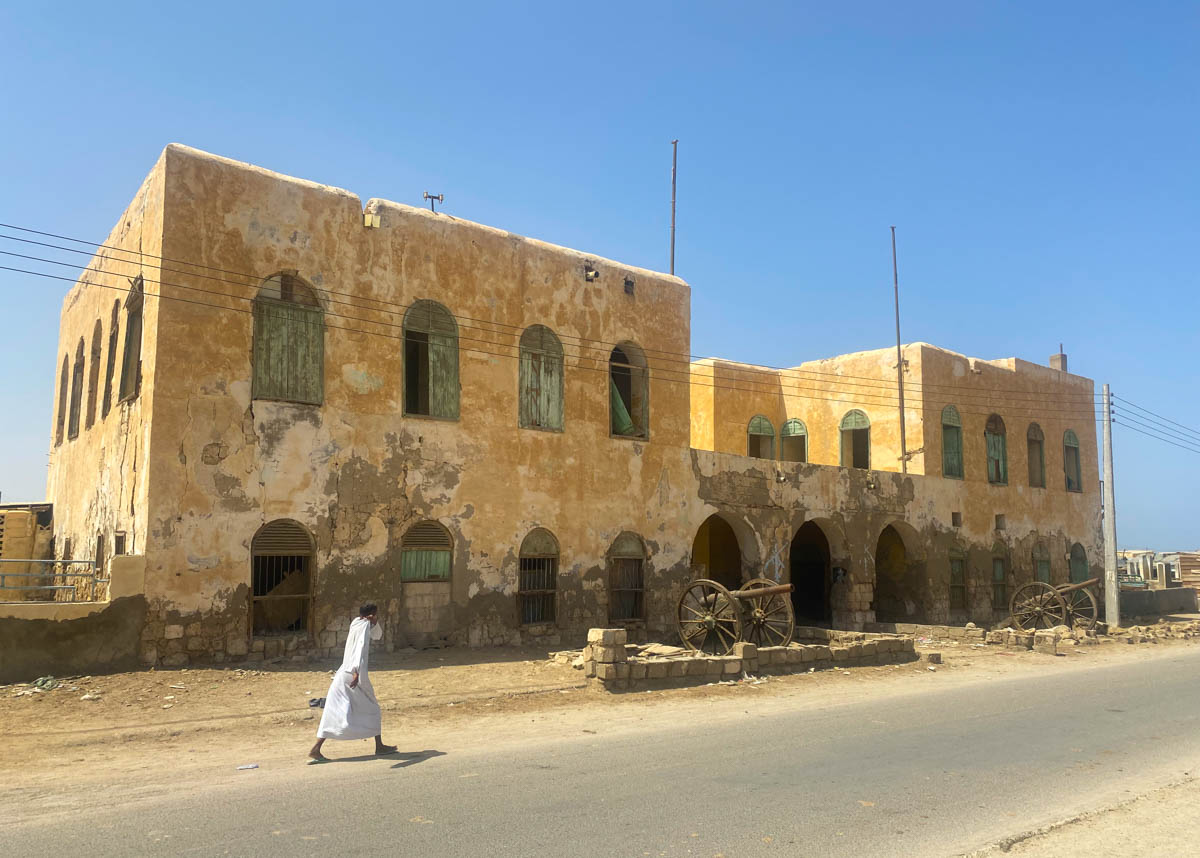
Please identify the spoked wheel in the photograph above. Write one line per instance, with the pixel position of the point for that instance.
(1081, 608)
(769, 619)
(1037, 605)
(709, 618)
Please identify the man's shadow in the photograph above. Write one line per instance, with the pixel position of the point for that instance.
(406, 758)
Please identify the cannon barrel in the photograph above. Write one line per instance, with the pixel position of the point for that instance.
(755, 592)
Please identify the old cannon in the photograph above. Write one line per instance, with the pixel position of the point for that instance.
(713, 618)
(1038, 605)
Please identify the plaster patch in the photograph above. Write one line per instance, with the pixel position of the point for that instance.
(359, 380)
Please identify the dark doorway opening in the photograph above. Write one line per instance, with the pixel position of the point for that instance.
(716, 554)
(895, 596)
(811, 576)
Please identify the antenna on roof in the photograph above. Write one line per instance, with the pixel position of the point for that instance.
(441, 198)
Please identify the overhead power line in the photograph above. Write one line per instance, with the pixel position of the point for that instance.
(1133, 428)
(1159, 416)
(256, 280)
(1150, 423)
(668, 376)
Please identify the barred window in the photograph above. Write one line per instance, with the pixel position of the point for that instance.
(1041, 564)
(1079, 564)
(958, 582)
(425, 553)
(281, 579)
(627, 579)
(538, 578)
(999, 584)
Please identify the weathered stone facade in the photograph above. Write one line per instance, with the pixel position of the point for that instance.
(194, 465)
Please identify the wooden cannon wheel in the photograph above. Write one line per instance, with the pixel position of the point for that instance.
(1081, 608)
(1037, 605)
(710, 619)
(769, 619)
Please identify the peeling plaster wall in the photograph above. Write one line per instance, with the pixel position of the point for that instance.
(98, 480)
(357, 473)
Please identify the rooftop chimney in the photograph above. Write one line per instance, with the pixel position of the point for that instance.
(1059, 361)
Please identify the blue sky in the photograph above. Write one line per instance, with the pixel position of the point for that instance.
(1038, 160)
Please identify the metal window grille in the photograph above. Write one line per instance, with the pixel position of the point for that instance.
(537, 596)
(627, 590)
(999, 585)
(281, 593)
(958, 583)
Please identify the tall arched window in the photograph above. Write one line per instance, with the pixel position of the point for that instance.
(281, 578)
(94, 374)
(1079, 564)
(111, 365)
(538, 581)
(1035, 443)
(997, 450)
(63, 380)
(425, 553)
(793, 441)
(289, 342)
(1071, 461)
(760, 438)
(952, 446)
(856, 440)
(76, 391)
(629, 392)
(540, 397)
(131, 358)
(430, 361)
(627, 579)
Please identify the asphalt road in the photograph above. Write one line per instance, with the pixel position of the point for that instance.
(935, 772)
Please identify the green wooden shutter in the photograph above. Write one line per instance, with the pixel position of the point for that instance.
(529, 393)
(550, 399)
(424, 565)
(997, 459)
(306, 336)
(270, 349)
(443, 375)
(622, 424)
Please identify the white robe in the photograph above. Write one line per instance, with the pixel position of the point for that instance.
(353, 713)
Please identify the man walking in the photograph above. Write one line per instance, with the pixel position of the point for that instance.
(351, 710)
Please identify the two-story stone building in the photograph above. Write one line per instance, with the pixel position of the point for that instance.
(289, 403)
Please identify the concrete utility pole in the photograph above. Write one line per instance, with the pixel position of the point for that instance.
(1112, 594)
(899, 357)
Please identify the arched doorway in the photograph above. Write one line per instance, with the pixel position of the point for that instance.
(896, 596)
(716, 553)
(811, 575)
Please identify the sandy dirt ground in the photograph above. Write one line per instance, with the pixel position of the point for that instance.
(140, 734)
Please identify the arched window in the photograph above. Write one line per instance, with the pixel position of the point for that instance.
(425, 551)
(626, 579)
(793, 441)
(1079, 564)
(76, 391)
(1041, 564)
(430, 361)
(540, 397)
(958, 581)
(111, 365)
(1071, 463)
(952, 446)
(629, 392)
(856, 440)
(538, 582)
(760, 438)
(93, 374)
(131, 359)
(997, 450)
(1036, 443)
(289, 342)
(63, 379)
(281, 556)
